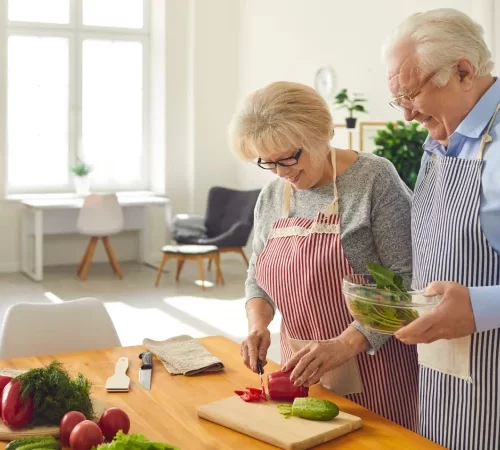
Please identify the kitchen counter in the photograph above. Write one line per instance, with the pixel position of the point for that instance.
(168, 412)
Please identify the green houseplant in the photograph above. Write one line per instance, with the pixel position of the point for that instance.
(352, 104)
(81, 172)
(401, 143)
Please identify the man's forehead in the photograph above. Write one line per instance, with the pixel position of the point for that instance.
(402, 69)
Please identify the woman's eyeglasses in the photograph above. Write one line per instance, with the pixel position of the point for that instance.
(286, 162)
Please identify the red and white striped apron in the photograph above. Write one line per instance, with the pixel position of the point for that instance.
(301, 268)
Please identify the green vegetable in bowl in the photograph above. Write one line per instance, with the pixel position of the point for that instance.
(383, 317)
(310, 408)
(388, 280)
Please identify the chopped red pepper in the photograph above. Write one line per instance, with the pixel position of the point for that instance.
(251, 394)
(16, 412)
(254, 391)
(247, 397)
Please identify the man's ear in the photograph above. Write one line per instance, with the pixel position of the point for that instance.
(465, 72)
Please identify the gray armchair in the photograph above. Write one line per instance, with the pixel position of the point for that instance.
(227, 223)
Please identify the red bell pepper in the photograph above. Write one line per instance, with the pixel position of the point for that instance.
(16, 412)
(282, 389)
(4, 381)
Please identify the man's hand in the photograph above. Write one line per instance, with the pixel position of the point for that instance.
(315, 359)
(451, 318)
(255, 347)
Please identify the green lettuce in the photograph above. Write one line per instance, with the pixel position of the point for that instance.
(124, 441)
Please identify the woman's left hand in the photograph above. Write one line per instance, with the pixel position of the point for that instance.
(317, 358)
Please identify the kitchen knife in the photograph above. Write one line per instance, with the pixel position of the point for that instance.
(260, 370)
(145, 370)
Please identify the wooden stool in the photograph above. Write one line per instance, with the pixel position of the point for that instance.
(84, 268)
(239, 250)
(198, 253)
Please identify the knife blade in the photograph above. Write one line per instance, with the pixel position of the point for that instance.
(145, 370)
(260, 370)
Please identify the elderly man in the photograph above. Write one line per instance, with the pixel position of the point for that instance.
(439, 72)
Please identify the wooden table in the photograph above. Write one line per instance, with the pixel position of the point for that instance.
(168, 412)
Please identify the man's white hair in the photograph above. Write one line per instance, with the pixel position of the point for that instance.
(442, 36)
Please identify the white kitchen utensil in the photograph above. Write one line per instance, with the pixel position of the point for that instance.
(119, 382)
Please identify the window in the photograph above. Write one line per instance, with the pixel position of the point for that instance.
(77, 88)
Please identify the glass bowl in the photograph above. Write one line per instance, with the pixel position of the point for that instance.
(382, 310)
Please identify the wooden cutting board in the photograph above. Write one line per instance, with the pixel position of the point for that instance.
(7, 434)
(262, 420)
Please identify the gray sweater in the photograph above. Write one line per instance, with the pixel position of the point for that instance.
(374, 208)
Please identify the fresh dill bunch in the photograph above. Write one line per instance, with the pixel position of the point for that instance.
(55, 393)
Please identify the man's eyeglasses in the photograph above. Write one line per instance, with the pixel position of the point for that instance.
(403, 102)
(286, 162)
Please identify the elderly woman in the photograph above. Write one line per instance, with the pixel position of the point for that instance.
(439, 71)
(329, 213)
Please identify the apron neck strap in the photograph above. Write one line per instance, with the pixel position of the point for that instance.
(486, 137)
(332, 208)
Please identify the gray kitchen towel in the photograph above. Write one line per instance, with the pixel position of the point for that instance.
(184, 355)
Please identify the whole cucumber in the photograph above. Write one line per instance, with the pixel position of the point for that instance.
(14, 445)
(45, 445)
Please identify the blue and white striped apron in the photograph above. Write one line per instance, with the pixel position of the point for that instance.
(457, 412)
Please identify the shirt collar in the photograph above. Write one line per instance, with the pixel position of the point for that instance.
(477, 119)
(475, 122)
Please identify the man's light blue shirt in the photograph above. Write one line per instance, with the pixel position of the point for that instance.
(464, 143)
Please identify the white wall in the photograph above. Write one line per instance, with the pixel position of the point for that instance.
(291, 39)
(216, 52)
(201, 91)
(198, 65)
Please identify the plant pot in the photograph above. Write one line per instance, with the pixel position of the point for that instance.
(350, 122)
(82, 186)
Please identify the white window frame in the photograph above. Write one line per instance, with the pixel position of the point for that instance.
(76, 32)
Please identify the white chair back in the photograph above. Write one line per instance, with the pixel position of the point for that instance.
(34, 329)
(100, 215)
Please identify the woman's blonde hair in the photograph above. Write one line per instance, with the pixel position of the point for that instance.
(282, 117)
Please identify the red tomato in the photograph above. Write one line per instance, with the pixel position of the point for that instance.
(68, 422)
(112, 421)
(85, 435)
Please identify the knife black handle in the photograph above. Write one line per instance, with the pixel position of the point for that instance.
(147, 360)
(260, 368)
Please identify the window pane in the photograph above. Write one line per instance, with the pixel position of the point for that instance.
(45, 11)
(113, 13)
(112, 111)
(37, 113)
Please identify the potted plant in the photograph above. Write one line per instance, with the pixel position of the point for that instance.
(81, 173)
(351, 104)
(401, 143)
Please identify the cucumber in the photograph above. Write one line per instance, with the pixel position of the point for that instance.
(14, 445)
(41, 445)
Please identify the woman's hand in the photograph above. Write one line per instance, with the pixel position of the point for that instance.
(317, 358)
(255, 347)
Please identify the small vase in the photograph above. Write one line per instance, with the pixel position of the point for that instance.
(82, 186)
(350, 122)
